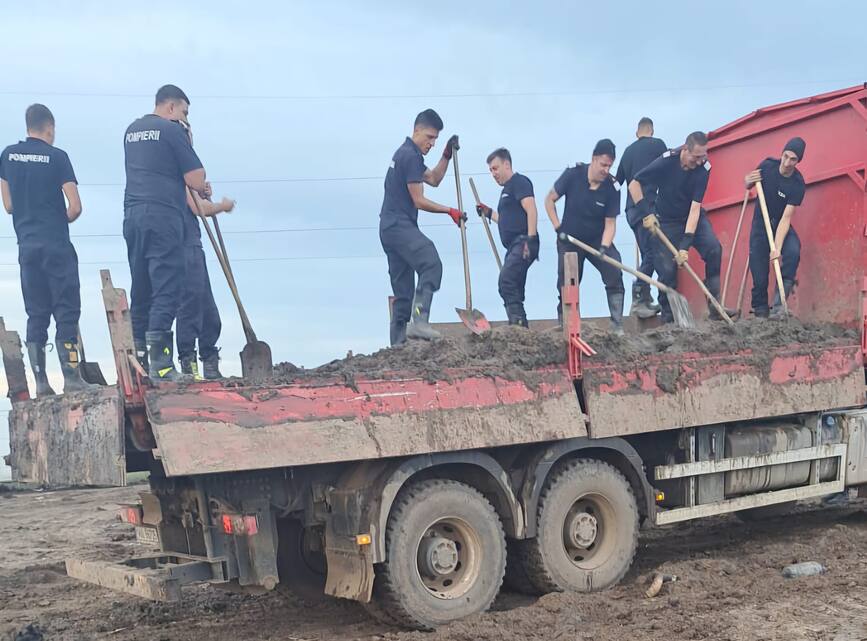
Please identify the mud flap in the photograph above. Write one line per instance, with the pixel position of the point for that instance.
(350, 564)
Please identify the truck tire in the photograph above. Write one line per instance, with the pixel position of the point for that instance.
(517, 577)
(587, 530)
(446, 556)
(302, 569)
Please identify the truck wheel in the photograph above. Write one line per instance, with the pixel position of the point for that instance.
(517, 576)
(301, 565)
(587, 530)
(446, 555)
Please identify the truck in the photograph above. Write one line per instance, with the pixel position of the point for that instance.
(421, 498)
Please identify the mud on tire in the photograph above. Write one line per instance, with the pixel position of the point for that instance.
(446, 556)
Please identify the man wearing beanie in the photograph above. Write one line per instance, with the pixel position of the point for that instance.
(592, 205)
(680, 176)
(783, 185)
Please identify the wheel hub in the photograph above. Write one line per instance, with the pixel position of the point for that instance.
(438, 556)
(581, 530)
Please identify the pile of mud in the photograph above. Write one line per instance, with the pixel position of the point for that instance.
(513, 352)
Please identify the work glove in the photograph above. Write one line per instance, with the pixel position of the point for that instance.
(563, 237)
(650, 221)
(457, 215)
(681, 257)
(530, 250)
(752, 178)
(484, 210)
(451, 145)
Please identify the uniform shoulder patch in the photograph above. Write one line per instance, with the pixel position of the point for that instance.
(707, 165)
(667, 153)
(614, 183)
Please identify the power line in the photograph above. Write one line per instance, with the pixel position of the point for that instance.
(457, 95)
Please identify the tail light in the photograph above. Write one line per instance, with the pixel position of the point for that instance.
(240, 524)
(131, 514)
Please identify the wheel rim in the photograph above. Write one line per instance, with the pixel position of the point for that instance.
(448, 558)
(588, 531)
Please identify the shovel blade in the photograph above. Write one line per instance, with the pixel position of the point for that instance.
(680, 311)
(474, 320)
(256, 363)
(91, 373)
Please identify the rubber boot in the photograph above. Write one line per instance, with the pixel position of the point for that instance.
(397, 333)
(141, 353)
(36, 352)
(615, 307)
(190, 366)
(516, 315)
(419, 326)
(68, 355)
(161, 357)
(642, 303)
(211, 366)
(712, 285)
(777, 309)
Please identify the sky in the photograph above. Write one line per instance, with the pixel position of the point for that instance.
(297, 108)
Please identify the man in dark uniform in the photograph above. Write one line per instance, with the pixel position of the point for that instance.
(784, 189)
(517, 219)
(681, 176)
(35, 176)
(410, 252)
(198, 316)
(635, 158)
(592, 205)
(160, 165)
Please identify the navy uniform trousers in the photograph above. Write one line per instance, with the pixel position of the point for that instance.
(409, 252)
(198, 316)
(50, 287)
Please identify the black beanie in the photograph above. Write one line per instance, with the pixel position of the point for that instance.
(604, 148)
(797, 146)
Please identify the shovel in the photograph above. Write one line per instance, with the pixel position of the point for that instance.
(713, 301)
(472, 318)
(90, 371)
(487, 227)
(781, 290)
(256, 362)
(679, 306)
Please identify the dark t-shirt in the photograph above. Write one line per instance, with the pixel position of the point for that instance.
(636, 157)
(158, 153)
(512, 220)
(407, 166)
(36, 173)
(780, 190)
(677, 187)
(586, 209)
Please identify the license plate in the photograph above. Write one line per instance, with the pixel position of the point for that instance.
(147, 536)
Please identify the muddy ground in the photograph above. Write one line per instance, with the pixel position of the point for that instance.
(729, 586)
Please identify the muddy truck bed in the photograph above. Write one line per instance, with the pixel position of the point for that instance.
(506, 388)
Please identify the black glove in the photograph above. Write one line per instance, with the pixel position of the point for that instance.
(603, 249)
(451, 144)
(484, 210)
(563, 237)
(530, 251)
(686, 242)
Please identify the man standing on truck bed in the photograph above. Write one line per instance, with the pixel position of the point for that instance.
(681, 176)
(636, 157)
(517, 219)
(410, 252)
(35, 176)
(160, 165)
(784, 188)
(592, 205)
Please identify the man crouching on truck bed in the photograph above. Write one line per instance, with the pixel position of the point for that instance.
(783, 185)
(407, 249)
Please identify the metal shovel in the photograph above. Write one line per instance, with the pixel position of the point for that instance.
(487, 228)
(679, 305)
(256, 361)
(90, 370)
(472, 318)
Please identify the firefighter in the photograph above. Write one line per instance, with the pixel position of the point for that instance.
(590, 214)
(198, 316)
(783, 186)
(680, 176)
(516, 219)
(160, 165)
(636, 157)
(35, 177)
(410, 252)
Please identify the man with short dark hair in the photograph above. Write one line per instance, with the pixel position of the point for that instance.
(636, 157)
(590, 215)
(410, 252)
(160, 165)
(35, 176)
(784, 188)
(680, 176)
(517, 219)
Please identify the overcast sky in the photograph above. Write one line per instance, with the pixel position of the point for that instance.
(298, 107)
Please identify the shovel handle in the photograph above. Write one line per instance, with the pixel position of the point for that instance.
(487, 227)
(781, 289)
(463, 232)
(734, 247)
(713, 301)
